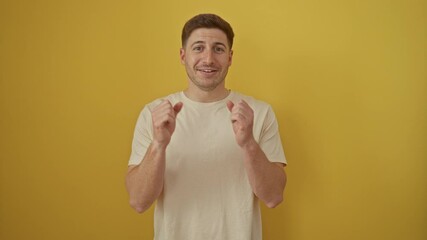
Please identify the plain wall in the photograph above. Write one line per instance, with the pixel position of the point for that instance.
(347, 80)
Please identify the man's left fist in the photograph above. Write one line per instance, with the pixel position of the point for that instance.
(242, 118)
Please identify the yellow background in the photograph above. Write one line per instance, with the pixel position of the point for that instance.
(347, 80)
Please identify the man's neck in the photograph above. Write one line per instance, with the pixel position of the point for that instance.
(199, 95)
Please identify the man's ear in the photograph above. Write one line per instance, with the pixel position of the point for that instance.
(182, 55)
(230, 58)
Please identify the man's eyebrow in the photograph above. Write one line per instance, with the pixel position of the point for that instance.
(203, 42)
(197, 42)
(220, 43)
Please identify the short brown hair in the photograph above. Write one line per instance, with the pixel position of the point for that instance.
(207, 21)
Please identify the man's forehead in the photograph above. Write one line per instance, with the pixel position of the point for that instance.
(208, 35)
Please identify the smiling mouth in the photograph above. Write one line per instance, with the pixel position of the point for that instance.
(206, 70)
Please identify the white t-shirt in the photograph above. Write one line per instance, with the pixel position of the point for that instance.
(206, 194)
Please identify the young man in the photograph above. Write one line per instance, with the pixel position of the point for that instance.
(206, 154)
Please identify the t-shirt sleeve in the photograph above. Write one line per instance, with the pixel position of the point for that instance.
(142, 138)
(270, 141)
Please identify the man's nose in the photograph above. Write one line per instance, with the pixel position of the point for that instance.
(209, 56)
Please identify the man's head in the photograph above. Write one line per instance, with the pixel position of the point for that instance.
(206, 52)
(207, 21)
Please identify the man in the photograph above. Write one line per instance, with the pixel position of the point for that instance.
(206, 154)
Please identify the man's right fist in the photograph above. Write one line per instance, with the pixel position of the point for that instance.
(163, 116)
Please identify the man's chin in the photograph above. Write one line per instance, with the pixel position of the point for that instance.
(207, 87)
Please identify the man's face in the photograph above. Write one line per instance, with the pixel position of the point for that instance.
(206, 57)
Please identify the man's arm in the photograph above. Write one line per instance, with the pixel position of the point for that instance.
(144, 182)
(267, 179)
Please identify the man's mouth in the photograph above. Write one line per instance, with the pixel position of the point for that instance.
(206, 70)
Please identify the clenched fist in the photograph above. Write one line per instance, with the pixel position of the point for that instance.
(163, 116)
(242, 118)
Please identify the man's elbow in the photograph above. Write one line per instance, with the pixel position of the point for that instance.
(139, 207)
(274, 202)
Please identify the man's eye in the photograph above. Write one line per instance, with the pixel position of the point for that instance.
(197, 49)
(218, 49)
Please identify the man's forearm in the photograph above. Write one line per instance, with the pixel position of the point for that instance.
(144, 182)
(267, 179)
